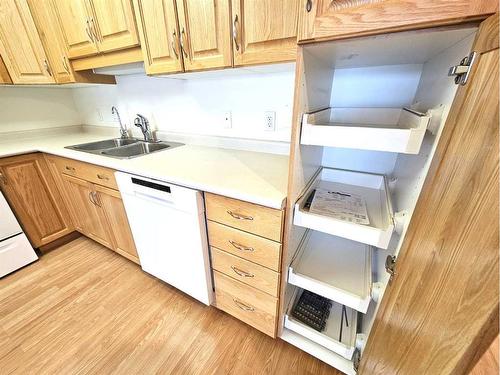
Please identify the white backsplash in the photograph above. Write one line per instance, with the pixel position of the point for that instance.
(196, 106)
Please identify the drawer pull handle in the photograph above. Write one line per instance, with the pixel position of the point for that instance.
(239, 216)
(240, 246)
(68, 168)
(242, 273)
(102, 177)
(243, 306)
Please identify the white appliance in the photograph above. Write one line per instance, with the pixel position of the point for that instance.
(15, 249)
(168, 226)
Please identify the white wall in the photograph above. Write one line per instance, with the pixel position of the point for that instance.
(28, 108)
(197, 106)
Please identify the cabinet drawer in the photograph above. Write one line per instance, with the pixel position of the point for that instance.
(88, 172)
(247, 272)
(260, 220)
(247, 304)
(245, 245)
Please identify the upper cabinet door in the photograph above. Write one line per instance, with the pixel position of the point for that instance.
(326, 19)
(113, 22)
(20, 45)
(46, 22)
(205, 33)
(74, 19)
(159, 33)
(264, 31)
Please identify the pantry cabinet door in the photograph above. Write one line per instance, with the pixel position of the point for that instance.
(46, 22)
(89, 217)
(440, 313)
(159, 33)
(74, 20)
(114, 24)
(116, 217)
(264, 31)
(205, 33)
(326, 19)
(28, 185)
(20, 45)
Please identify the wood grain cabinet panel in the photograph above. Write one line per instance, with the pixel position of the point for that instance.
(74, 20)
(264, 31)
(325, 19)
(90, 219)
(114, 24)
(245, 303)
(110, 201)
(159, 34)
(205, 33)
(20, 45)
(30, 189)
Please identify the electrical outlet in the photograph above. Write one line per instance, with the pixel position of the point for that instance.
(228, 121)
(269, 120)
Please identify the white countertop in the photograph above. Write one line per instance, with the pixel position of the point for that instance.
(255, 177)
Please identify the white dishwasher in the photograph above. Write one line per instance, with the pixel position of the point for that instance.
(168, 226)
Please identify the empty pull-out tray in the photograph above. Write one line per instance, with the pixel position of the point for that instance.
(371, 187)
(379, 129)
(335, 268)
(339, 335)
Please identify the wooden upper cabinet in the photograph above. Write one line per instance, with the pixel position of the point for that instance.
(114, 24)
(159, 34)
(205, 31)
(75, 23)
(20, 45)
(46, 22)
(4, 73)
(33, 195)
(264, 31)
(326, 19)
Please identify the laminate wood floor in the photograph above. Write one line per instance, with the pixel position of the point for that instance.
(82, 309)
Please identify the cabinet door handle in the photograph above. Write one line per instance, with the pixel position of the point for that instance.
(65, 65)
(241, 272)
(68, 168)
(101, 176)
(239, 216)
(240, 246)
(89, 34)
(93, 29)
(97, 199)
(243, 306)
(235, 33)
(91, 198)
(174, 39)
(47, 67)
(183, 34)
(309, 5)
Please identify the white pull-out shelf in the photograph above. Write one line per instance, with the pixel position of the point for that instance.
(335, 268)
(329, 338)
(318, 351)
(380, 129)
(372, 187)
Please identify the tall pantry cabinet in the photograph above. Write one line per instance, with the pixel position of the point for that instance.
(406, 122)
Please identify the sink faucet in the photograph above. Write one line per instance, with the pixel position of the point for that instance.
(123, 129)
(143, 123)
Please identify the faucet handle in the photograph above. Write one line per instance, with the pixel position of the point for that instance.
(138, 122)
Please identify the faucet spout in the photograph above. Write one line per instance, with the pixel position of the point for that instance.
(142, 122)
(123, 129)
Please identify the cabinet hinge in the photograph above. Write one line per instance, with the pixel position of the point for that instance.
(462, 70)
(390, 264)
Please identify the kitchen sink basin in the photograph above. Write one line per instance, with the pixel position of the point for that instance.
(102, 145)
(136, 149)
(123, 148)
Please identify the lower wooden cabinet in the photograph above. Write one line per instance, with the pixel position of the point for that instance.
(95, 205)
(34, 196)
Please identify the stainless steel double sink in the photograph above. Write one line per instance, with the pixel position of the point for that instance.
(123, 148)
